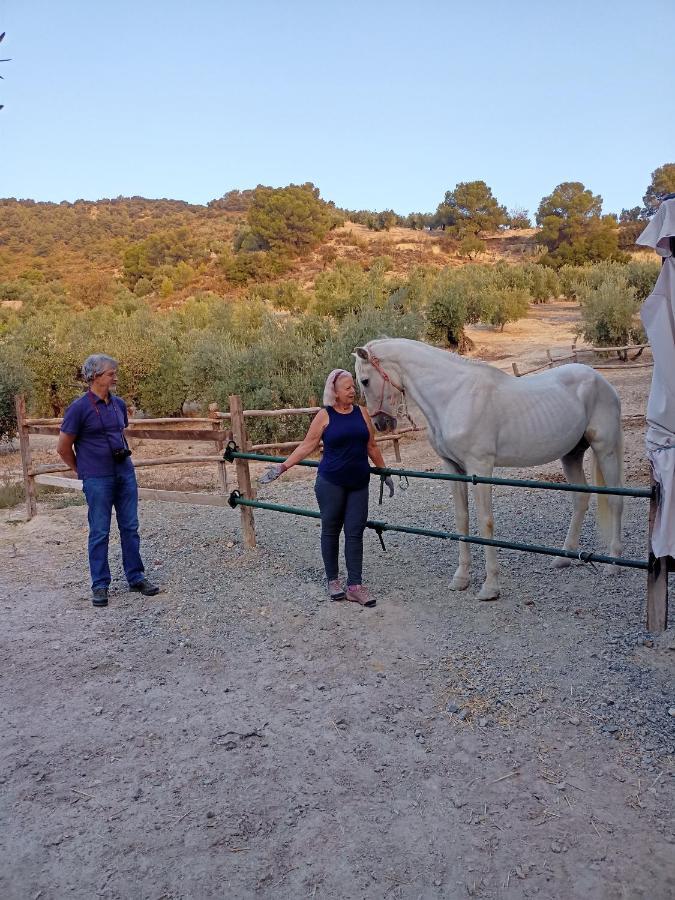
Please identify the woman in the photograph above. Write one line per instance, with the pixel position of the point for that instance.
(342, 480)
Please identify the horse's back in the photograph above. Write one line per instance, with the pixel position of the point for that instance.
(582, 382)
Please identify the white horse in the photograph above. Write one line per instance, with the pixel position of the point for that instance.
(479, 417)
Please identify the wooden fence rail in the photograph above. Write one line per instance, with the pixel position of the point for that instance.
(553, 361)
(217, 429)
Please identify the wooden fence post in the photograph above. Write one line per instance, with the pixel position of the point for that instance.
(26, 457)
(657, 576)
(397, 451)
(242, 469)
(220, 441)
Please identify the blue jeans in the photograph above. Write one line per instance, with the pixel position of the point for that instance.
(120, 491)
(342, 508)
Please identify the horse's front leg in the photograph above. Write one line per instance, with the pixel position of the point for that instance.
(460, 494)
(486, 524)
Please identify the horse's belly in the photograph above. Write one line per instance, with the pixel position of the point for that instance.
(539, 438)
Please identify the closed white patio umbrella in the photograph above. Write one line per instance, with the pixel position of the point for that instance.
(658, 318)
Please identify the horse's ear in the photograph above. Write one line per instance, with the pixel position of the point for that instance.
(362, 353)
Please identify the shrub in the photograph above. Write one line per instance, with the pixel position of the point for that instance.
(609, 311)
(543, 283)
(508, 305)
(470, 246)
(14, 379)
(292, 219)
(347, 288)
(447, 311)
(286, 295)
(11, 492)
(642, 275)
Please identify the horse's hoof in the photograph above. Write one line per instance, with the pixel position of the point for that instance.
(488, 593)
(561, 562)
(460, 582)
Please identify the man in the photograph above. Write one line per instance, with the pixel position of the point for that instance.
(93, 445)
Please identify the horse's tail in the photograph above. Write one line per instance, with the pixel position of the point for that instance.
(603, 515)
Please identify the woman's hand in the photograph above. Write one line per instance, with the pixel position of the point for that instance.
(273, 472)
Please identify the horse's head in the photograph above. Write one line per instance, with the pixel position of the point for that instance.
(382, 396)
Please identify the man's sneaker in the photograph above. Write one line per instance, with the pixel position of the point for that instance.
(335, 590)
(358, 594)
(145, 587)
(99, 596)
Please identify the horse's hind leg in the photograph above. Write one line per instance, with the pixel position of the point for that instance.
(609, 462)
(573, 468)
(461, 578)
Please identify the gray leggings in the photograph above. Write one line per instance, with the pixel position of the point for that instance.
(342, 508)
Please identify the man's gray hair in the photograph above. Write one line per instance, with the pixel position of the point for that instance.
(96, 364)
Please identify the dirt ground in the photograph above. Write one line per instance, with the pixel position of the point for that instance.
(239, 736)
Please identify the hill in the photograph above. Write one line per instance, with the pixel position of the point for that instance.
(89, 246)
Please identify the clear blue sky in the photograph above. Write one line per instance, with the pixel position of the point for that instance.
(380, 103)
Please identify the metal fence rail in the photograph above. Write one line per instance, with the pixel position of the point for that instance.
(232, 453)
(236, 499)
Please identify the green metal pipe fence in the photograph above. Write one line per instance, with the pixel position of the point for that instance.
(231, 453)
(236, 499)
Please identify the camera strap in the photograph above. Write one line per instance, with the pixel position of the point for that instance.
(117, 418)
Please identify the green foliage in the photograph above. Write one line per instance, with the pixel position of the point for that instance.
(629, 232)
(386, 219)
(418, 221)
(360, 327)
(347, 288)
(14, 379)
(290, 220)
(470, 246)
(11, 493)
(277, 369)
(609, 309)
(642, 276)
(470, 208)
(48, 345)
(244, 267)
(161, 257)
(573, 229)
(493, 295)
(543, 283)
(662, 183)
(53, 344)
(519, 218)
(286, 295)
(233, 201)
(505, 305)
(455, 298)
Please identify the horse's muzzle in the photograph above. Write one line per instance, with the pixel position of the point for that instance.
(384, 422)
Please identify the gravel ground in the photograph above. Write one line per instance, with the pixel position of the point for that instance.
(239, 736)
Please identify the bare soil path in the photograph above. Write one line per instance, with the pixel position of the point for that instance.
(239, 736)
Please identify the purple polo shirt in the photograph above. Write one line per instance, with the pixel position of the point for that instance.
(98, 429)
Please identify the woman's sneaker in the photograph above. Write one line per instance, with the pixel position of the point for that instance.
(358, 594)
(335, 590)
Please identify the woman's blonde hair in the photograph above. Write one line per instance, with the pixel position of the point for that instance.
(329, 398)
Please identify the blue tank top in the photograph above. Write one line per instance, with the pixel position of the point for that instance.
(345, 453)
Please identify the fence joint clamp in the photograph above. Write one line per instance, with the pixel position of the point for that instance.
(233, 499)
(230, 448)
(378, 528)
